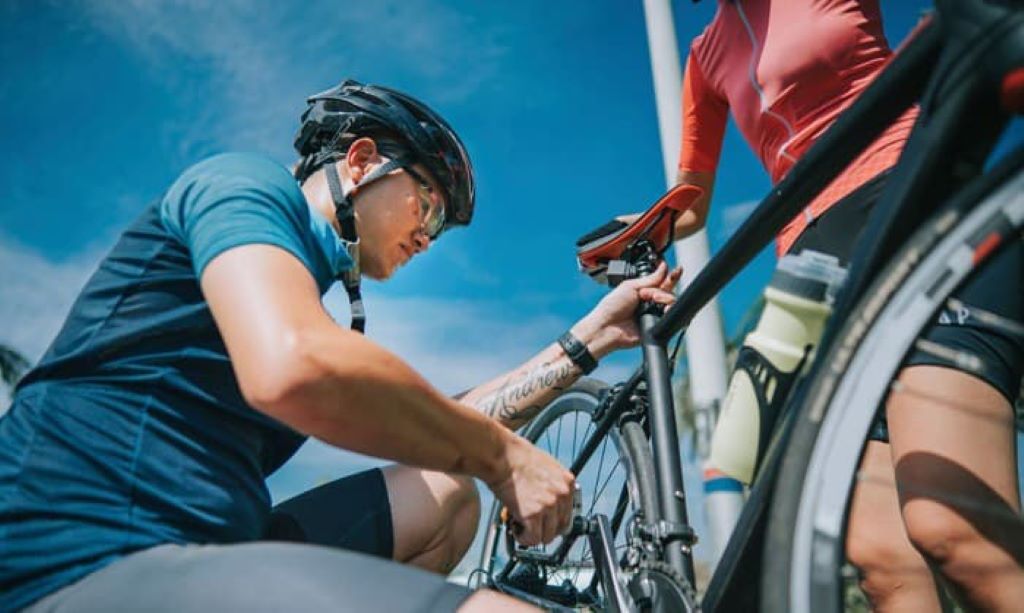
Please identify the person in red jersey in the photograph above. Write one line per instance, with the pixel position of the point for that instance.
(785, 70)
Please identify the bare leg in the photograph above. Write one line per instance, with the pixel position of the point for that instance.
(486, 601)
(896, 577)
(434, 516)
(953, 446)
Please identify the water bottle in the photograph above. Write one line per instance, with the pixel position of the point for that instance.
(797, 302)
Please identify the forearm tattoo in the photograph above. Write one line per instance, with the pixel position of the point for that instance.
(510, 403)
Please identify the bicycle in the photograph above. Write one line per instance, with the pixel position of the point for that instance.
(965, 67)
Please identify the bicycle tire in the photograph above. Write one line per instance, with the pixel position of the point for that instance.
(642, 470)
(629, 443)
(806, 531)
(672, 592)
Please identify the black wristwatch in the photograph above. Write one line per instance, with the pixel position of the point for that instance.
(577, 352)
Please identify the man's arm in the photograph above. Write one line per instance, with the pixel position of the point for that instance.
(295, 364)
(514, 398)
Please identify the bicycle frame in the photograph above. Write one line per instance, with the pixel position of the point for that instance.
(937, 66)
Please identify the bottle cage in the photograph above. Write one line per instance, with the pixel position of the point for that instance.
(655, 224)
(771, 390)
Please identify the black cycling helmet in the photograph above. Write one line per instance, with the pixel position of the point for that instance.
(338, 116)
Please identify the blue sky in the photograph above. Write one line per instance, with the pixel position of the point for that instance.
(103, 103)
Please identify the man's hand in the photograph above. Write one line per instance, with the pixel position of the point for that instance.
(537, 492)
(612, 323)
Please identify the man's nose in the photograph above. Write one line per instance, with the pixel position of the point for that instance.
(420, 241)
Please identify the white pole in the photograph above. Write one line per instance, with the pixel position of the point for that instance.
(705, 345)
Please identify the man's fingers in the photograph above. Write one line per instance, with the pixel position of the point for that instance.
(552, 525)
(527, 534)
(514, 525)
(569, 510)
(543, 523)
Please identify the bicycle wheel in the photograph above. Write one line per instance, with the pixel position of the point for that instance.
(804, 552)
(617, 481)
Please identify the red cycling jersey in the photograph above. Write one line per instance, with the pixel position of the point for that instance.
(786, 69)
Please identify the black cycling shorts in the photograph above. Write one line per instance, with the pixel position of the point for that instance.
(351, 513)
(998, 288)
(352, 516)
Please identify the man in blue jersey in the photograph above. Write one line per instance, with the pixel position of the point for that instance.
(199, 357)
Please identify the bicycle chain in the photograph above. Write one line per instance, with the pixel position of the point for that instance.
(689, 593)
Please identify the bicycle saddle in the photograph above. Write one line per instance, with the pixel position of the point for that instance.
(595, 250)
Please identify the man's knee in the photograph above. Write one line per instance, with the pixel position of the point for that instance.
(435, 516)
(460, 504)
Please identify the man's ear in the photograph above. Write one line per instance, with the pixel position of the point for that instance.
(362, 153)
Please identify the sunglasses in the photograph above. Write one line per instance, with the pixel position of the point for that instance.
(432, 214)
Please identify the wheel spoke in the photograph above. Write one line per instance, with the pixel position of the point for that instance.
(605, 484)
(575, 428)
(615, 548)
(576, 575)
(558, 437)
(590, 428)
(597, 479)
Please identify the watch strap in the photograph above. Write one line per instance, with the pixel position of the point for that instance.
(577, 352)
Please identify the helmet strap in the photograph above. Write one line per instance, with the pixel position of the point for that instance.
(344, 211)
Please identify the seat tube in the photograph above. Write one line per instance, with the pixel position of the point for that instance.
(665, 440)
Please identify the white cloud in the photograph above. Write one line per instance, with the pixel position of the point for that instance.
(36, 295)
(455, 344)
(261, 59)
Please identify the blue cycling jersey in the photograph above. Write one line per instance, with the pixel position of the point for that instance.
(131, 431)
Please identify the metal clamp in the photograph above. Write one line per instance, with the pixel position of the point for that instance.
(664, 532)
(607, 399)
